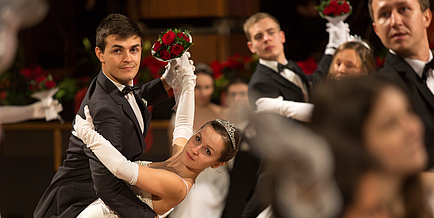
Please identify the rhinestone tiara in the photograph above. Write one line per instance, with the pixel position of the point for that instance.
(358, 39)
(230, 129)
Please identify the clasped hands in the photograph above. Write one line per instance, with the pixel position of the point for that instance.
(177, 68)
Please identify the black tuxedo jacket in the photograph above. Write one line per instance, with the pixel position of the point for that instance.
(265, 82)
(83, 178)
(397, 69)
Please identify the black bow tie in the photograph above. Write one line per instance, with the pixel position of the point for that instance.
(128, 89)
(425, 72)
(288, 66)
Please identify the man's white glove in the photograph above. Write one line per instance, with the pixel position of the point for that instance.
(296, 110)
(338, 34)
(115, 162)
(171, 74)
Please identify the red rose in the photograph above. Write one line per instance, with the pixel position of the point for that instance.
(182, 35)
(3, 95)
(345, 7)
(327, 10)
(26, 72)
(334, 3)
(337, 11)
(40, 79)
(168, 38)
(157, 46)
(50, 84)
(165, 55)
(176, 49)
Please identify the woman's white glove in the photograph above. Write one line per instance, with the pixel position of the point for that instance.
(13, 114)
(184, 68)
(172, 73)
(296, 110)
(115, 162)
(185, 112)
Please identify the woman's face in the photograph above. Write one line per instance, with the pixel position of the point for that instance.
(346, 63)
(203, 149)
(394, 134)
(204, 89)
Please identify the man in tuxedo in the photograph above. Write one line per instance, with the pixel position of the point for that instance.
(279, 83)
(120, 116)
(402, 27)
(275, 76)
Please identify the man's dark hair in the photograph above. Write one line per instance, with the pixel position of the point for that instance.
(119, 25)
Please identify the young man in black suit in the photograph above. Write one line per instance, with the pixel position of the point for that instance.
(277, 88)
(121, 117)
(275, 76)
(402, 27)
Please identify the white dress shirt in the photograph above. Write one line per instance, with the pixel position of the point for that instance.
(287, 74)
(132, 100)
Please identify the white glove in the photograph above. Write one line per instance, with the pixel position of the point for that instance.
(297, 110)
(13, 114)
(338, 34)
(184, 68)
(185, 111)
(171, 74)
(115, 162)
(40, 110)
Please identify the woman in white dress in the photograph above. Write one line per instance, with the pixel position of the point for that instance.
(163, 185)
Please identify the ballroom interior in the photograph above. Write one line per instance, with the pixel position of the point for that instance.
(63, 42)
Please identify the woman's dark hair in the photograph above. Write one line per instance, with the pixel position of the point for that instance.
(236, 80)
(341, 110)
(229, 151)
(119, 25)
(202, 68)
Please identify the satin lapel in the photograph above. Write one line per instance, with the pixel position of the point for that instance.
(405, 70)
(146, 114)
(281, 80)
(121, 100)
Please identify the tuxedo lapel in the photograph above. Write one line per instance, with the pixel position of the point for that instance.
(405, 70)
(282, 81)
(297, 70)
(116, 95)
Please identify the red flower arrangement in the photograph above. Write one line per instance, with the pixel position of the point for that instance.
(334, 8)
(171, 44)
(39, 80)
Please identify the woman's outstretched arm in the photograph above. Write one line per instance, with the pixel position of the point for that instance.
(184, 117)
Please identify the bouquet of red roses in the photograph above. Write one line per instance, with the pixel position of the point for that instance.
(334, 8)
(335, 11)
(171, 44)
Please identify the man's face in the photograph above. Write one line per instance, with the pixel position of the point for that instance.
(121, 58)
(267, 40)
(401, 25)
